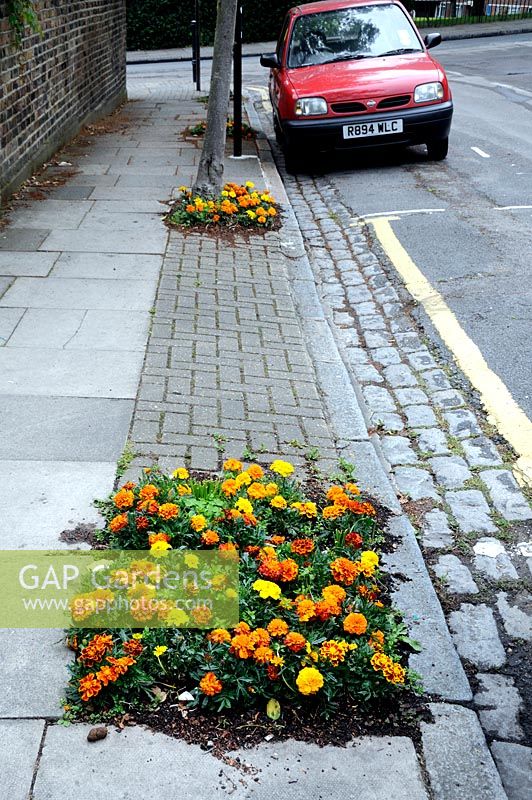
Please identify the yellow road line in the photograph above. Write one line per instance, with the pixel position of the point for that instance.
(509, 419)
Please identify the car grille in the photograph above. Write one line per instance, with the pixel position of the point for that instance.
(354, 106)
(394, 102)
(347, 108)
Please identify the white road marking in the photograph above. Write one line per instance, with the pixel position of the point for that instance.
(405, 211)
(510, 208)
(480, 152)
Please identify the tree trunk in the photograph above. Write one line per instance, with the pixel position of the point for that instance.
(209, 179)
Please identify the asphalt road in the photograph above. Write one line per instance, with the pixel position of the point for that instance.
(473, 249)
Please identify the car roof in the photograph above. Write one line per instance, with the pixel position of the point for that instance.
(332, 5)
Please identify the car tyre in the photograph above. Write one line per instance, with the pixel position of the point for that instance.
(438, 149)
(294, 160)
(279, 138)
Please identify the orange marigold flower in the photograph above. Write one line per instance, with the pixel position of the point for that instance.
(272, 672)
(232, 465)
(252, 549)
(255, 471)
(305, 609)
(107, 675)
(168, 511)
(277, 627)
(124, 499)
(133, 648)
(210, 685)
(198, 522)
(271, 489)
(260, 637)
(376, 640)
(96, 649)
(352, 487)
(324, 609)
(353, 539)
(121, 664)
(148, 506)
(276, 539)
(334, 594)
(295, 641)
(361, 508)
(219, 636)
(242, 627)
(149, 492)
(355, 623)
(89, 686)
(256, 491)
(335, 492)
(302, 546)
(278, 502)
(333, 512)
(142, 523)
(242, 646)
(118, 522)
(228, 550)
(270, 568)
(335, 651)
(210, 537)
(288, 570)
(344, 571)
(263, 655)
(201, 615)
(229, 487)
(183, 489)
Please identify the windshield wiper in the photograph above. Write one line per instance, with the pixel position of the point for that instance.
(348, 57)
(400, 51)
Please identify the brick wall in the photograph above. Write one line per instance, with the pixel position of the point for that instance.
(73, 75)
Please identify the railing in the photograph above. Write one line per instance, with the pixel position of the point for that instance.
(454, 12)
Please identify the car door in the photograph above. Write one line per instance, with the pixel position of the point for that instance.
(275, 74)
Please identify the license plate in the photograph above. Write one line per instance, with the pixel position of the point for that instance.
(373, 128)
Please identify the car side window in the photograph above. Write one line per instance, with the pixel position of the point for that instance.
(283, 36)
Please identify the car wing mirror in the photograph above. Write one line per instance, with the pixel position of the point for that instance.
(270, 60)
(432, 40)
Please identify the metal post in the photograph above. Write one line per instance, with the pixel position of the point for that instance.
(193, 26)
(198, 44)
(237, 85)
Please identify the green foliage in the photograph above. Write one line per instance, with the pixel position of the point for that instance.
(21, 15)
(153, 24)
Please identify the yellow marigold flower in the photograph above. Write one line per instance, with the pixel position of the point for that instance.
(160, 548)
(182, 188)
(369, 558)
(251, 214)
(267, 589)
(183, 489)
(352, 487)
(278, 502)
(282, 468)
(160, 650)
(191, 560)
(137, 636)
(176, 618)
(198, 522)
(181, 473)
(271, 489)
(272, 212)
(249, 185)
(243, 479)
(232, 465)
(309, 680)
(244, 506)
(231, 594)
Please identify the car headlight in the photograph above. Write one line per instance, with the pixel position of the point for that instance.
(307, 106)
(426, 92)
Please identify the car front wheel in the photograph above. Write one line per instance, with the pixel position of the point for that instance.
(437, 150)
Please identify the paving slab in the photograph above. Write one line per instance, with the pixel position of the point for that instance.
(62, 328)
(450, 471)
(55, 495)
(415, 483)
(108, 241)
(33, 673)
(134, 206)
(492, 561)
(5, 283)
(455, 575)
(80, 293)
(22, 238)
(63, 428)
(69, 373)
(365, 769)
(506, 495)
(457, 758)
(476, 637)
(471, 511)
(21, 740)
(50, 213)
(499, 704)
(438, 663)
(107, 266)
(9, 319)
(124, 193)
(436, 531)
(27, 264)
(514, 762)
(98, 220)
(517, 623)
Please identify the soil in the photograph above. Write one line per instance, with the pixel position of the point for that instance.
(223, 733)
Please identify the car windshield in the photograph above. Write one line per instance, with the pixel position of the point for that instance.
(351, 33)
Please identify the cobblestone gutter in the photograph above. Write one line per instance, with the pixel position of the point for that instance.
(454, 483)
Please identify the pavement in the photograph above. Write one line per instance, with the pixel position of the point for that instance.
(448, 32)
(115, 330)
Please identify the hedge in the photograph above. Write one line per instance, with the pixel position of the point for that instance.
(154, 24)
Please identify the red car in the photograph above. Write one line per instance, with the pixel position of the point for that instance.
(356, 73)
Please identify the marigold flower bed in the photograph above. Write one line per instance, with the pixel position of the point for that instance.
(237, 206)
(313, 631)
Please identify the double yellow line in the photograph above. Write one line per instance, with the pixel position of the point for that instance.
(503, 412)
